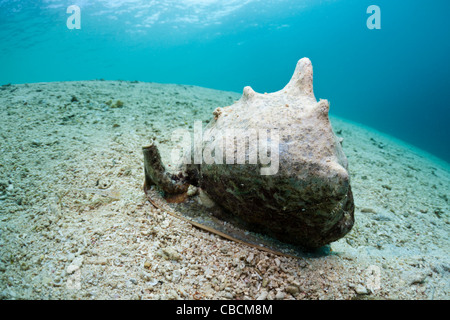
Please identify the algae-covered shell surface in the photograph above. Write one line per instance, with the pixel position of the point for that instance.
(305, 198)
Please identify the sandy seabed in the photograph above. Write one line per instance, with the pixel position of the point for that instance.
(75, 223)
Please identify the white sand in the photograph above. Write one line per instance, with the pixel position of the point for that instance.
(75, 223)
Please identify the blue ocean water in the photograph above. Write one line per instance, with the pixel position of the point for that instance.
(394, 79)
